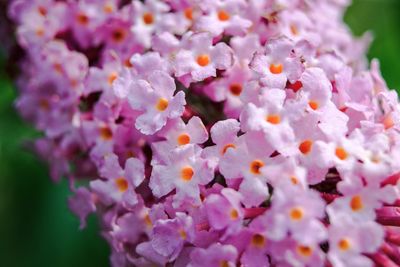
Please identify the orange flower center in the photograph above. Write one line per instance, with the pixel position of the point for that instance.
(294, 180)
(187, 173)
(57, 68)
(122, 184)
(183, 234)
(305, 251)
(203, 60)
(356, 203)
(234, 214)
(305, 146)
(258, 240)
(224, 263)
(148, 18)
(296, 214)
(42, 11)
(162, 104)
(294, 29)
(313, 104)
(388, 122)
(255, 166)
(344, 244)
(147, 220)
(188, 13)
(341, 153)
(82, 19)
(108, 8)
(39, 32)
(274, 119)
(276, 68)
(235, 89)
(183, 139)
(226, 147)
(112, 77)
(223, 15)
(105, 133)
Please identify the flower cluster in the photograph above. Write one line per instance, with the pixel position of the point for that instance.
(215, 132)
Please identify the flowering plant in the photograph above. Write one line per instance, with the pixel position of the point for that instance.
(216, 132)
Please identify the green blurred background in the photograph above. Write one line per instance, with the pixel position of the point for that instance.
(36, 228)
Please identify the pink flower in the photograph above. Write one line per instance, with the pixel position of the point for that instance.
(184, 170)
(224, 211)
(120, 184)
(224, 17)
(347, 242)
(288, 215)
(177, 133)
(246, 161)
(270, 119)
(155, 98)
(169, 236)
(148, 19)
(278, 64)
(200, 58)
